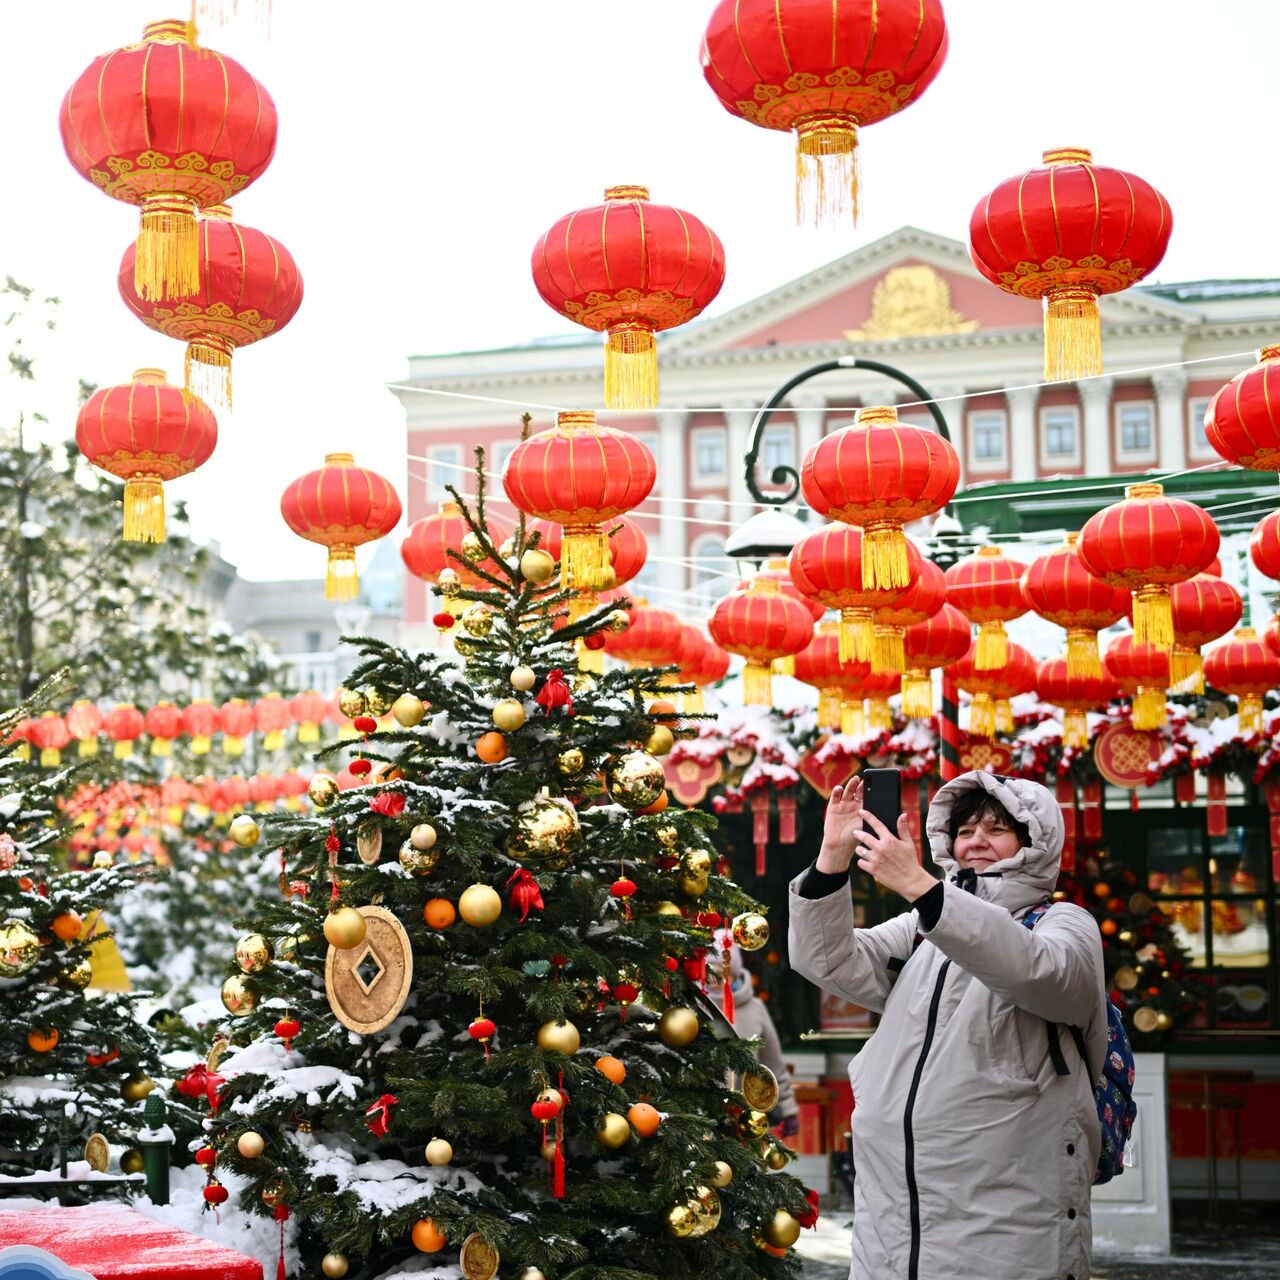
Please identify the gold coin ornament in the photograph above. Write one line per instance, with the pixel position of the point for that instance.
(678, 1027)
(253, 953)
(479, 906)
(322, 790)
(781, 1231)
(706, 1211)
(244, 830)
(1146, 1019)
(418, 862)
(545, 830)
(479, 1260)
(559, 1036)
(409, 710)
(721, 1174)
(681, 1220)
(369, 843)
(239, 999)
(78, 975)
(523, 678)
(344, 928)
(660, 741)
(750, 930)
(377, 702)
(352, 703)
(97, 1153)
(753, 1124)
(423, 836)
(477, 621)
(508, 714)
(571, 761)
(367, 985)
(613, 1130)
(439, 1152)
(760, 1088)
(251, 1144)
(19, 949)
(334, 1265)
(131, 1161)
(537, 566)
(635, 779)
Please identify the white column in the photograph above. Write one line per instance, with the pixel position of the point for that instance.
(1171, 412)
(739, 421)
(673, 487)
(811, 417)
(1023, 433)
(1095, 396)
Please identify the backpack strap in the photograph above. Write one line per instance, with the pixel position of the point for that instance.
(1060, 1068)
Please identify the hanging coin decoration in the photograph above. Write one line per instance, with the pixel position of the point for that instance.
(479, 1259)
(368, 984)
(760, 1089)
(369, 842)
(97, 1153)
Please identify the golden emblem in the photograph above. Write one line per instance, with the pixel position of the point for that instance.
(910, 302)
(760, 1089)
(479, 1259)
(369, 842)
(368, 984)
(97, 1153)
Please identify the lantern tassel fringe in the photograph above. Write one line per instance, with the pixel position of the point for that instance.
(692, 703)
(1149, 708)
(854, 636)
(340, 580)
(1075, 730)
(885, 564)
(206, 374)
(993, 647)
(880, 714)
(144, 509)
(888, 653)
(584, 559)
(590, 661)
(166, 264)
(917, 695)
(982, 716)
(828, 709)
(1083, 659)
(1072, 335)
(1249, 710)
(1004, 716)
(828, 184)
(1186, 671)
(631, 369)
(853, 721)
(1153, 618)
(757, 685)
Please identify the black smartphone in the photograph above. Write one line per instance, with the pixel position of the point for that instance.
(882, 795)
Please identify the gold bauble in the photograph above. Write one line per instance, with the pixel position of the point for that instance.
(537, 566)
(571, 761)
(19, 949)
(532, 1273)
(344, 928)
(103, 860)
(1163, 1021)
(665, 908)
(448, 584)
(322, 790)
(508, 714)
(477, 622)
(352, 703)
(472, 547)
(378, 702)
(78, 975)
(274, 1192)
(131, 1161)
(244, 830)
(678, 1027)
(753, 1124)
(253, 953)
(137, 1087)
(334, 1265)
(693, 886)
(660, 741)
(667, 836)
(695, 862)
(1126, 936)
(775, 1158)
(559, 1036)
(721, 1174)
(545, 830)
(409, 710)
(706, 1211)
(681, 1220)
(750, 930)
(1146, 1019)
(479, 906)
(1126, 978)
(523, 679)
(251, 1144)
(418, 862)
(286, 948)
(238, 997)
(1140, 904)
(619, 620)
(439, 1151)
(423, 836)
(781, 1231)
(634, 779)
(552, 1095)
(613, 1130)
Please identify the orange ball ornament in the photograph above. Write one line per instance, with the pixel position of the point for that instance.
(67, 926)
(1108, 928)
(658, 805)
(644, 1119)
(662, 707)
(427, 1237)
(491, 747)
(439, 913)
(613, 1069)
(43, 1041)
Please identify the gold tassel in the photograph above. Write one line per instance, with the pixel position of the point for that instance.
(273, 741)
(630, 369)
(1249, 710)
(590, 661)
(1083, 659)
(308, 733)
(993, 647)
(87, 749)
(827, 186)
(1072, 335)
(784, 666)
(584, 558)
(161, 747)
(880, 716)
(166, 263)
(854, 637)
(23, 752)
(340, 579)
(829, 709)
(885, 566)
(581, 605)
(982, 716)
(692, 703)
(1153, 618)
(1075, 730)
(123, 749)
(50, 757)
(887, 650)
(144, 509)
(206, 371)
(757, 687)
(917, 694)
(232, 746)
(200, 745)
(1186, 670)
(852, 720)
(1004, 716)
(1149, 708)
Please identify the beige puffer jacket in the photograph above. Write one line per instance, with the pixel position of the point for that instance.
(972, 1156)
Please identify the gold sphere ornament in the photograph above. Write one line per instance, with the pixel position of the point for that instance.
(1146, 1019)
(634, 779)
(253, 953)
(250, 1144)
(681, 1220)
(244, 830)
(102, 860)
(619, 620)
(571, 761)
(352, 703)
(775, 1158)
(613, 1130)
(1163, 1021)
(695, 862)
(523, 679)
(472, 547)
(274, 1192)
(286, 948)
(721, 1174)
(477, 621)
(378, 702)
(78, 975)
(667, 836)
(781, 1231)
(750, 930)
(448, 584)
(545, 830)
(678, 1027)
(532, 1273)
(552, 1095)
(344, 928)
(238, 998)
(479, 906)
(660, 741)
(537, 566)
(409, 710)
(439, 1151)
(693, 886)
(753, 1124)
(666, 908)
(131, 1161)
(508, 714)
(322, 790)
(423, 836)
(418, 862)
(137, 1087)
(560, 1036)
(334, 1265)
(706, 1211)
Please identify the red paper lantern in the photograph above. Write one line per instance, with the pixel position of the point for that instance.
(425, 550)
(272, 715)
(837, 682)
(172, 128)
(249, 289)
(580, 475)
(341, 506)
(652, 639)
(84, 720)
(1076, 694)
(629, 268)
(627, 550)
(879, 688)
(1264, 544)
(309, 710)
(1245, 667)
(1204, 609)
(1143, 673)
(918, 603)
(702, 663)
(880, 474)
(778, 570)
(235, 792)
(162, 723)
(987, 588)
(235, 718)
(1067, 233)
(937, 642)
(200, 723)
(822, 71)
(1273, 634)
(1242, 421)
(1062, 591)
(760, 624)
(124, 725)
(1145, 544)
(145, 432)
(50, 734)
(992, 688)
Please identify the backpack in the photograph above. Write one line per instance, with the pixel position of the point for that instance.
(1114, 1095)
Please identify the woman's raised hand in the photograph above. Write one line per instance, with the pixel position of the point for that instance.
(843, 821)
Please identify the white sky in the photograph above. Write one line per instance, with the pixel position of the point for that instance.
(425, 146)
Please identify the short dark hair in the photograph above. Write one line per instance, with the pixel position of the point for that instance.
(977, 805)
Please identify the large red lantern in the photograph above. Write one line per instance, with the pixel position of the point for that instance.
(50, 734)
(841, 685)
(629, 268)
(162, 724)
(249, 289)
(124, 725)
(425, 550)
(651, 639)
(879, 688)
(85, 722)
(309, 710)
(778, 570)
(1264, 545)
(937, 642)
(822, 71)
(1245, 667)
(761, 625)
(987, 588)
(580, 475)
(702, 663)
(341, 506)
(1145, 544)
(236, 720)
(1273, 634)
(1062, 591)
(200, 723)
(1242, 421)
(1142, 671)
(145, 432)
(993, 689)
(272, 715)
(172, 128)
(880, 474)
(1076, 694)
(1067, 233)
(1204, 609)
(628, 548)
(917, 604)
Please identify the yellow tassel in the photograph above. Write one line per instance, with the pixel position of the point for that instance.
(757, 686)
(630, 369)
(880, 716)
(982, 716)
(1072, 335)
(161, 747)
(200, 745)
(829, 709)
(993, 647)
(1249, 711)
(1186, 670)
(1153, 618)
(1075, 730)
(827, 186)
(206, 371)
(784, 666)
(340, 580)
(581, 605)
(854, 638)
(23, 752)
(590, 661)
(166, 264)
(852, 720)
(584, 558)
(692, 703)
(917, 694)
(123, 749)
(1149, 708)
(885, 566)
(273, 741)
(232, 746)
(50, 757)
(144, 509)
(887, 650)
(308, 733)
(1004, 716)
(1082, 654)
(87, 749)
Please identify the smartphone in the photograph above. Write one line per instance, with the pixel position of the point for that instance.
(882, 795)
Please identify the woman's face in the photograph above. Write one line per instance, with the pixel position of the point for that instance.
(981, 844)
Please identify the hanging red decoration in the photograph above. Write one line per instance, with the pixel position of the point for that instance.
(628, 549)
(1145, 544)
(1076, 694)
(341, 506)
(555, 693)
(819, 665)
(1067, 233)
(1273, 634)
(652, 639)
(249, 289)
(1142, 672)
(124, 725)
(51, 735)
(937, 642)
(778, 570)
(378, 1116)
(272, 715)
(235, 719)
(1264, 544)
(993, 688)
(85, 722)
(918, 603)
(1204, 609)
(1062, 591)
(162, 723)
(879, 687)
(425, 550)
(629, 268)
(702, 663)
(200, 723)
(760, 624)
(880, 474)
(1242, 422)
(145, 432)
(526, 893)
(309, 710)
(1245, 667)
(822, 72)
(987, 588)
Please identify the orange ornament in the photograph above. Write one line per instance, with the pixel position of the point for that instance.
(427, 1237)
(43, 1041)
(657, 806)
(439, 913)
(661, 707)
(1109, 928)
(613, 1069)
(644, 1119)
(67, 926)
(491, 747)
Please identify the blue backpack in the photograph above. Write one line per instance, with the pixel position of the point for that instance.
(1114, 1096)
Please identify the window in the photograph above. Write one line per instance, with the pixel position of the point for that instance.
(709, 453)
(779, 448)
(498, 456)
(1060, 435)
(1137, 429)
(1200, 446)
(314, 640)
(444, 466)
(986, 436)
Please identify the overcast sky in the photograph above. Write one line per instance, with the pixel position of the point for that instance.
(425, 146)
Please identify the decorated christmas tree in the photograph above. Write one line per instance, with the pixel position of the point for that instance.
(477, 1021)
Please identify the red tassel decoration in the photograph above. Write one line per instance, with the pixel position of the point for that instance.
(332, 844)
(557, 1181)
(281, 1215)
(728, 978)
(760, 828)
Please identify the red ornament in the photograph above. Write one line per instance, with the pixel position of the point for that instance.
(779, 571)
(1204, 609)
(206, 1157)
(761, 624)
(388, 803)
(1245, 667)
(162, 724)
(200, 1082)
(1076, 695)
(992, 690)
(555, 692)
(85, 722)
(341, 506)
(173, 128)
(629, 268)
(1264, 542)
(544, 1110)
(425, 550)
(819, 665)
(288, 1029)
(938, 642)
(235, 717)
(124, 725)
(215, 1193)
(1241, 422)
(483, 1030)
(1142, 672)
(987, 588)
(443, 621)
(622, 888)
(309, 710)
(526, 893)
(200, 723)
(360, 768)
(822, 72)
(628, 547)
(918, 603)
(378, 1116)
(594, 642)
(272, 715)
(50, 734)
(1067, 233)
(881, 474)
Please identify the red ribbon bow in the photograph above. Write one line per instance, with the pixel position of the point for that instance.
(388, 803)
(199, 1081)
(526, 895)
(810, 1217)
(555, 693)
(380, 1114)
